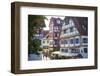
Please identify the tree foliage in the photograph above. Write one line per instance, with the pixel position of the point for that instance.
(35, 23)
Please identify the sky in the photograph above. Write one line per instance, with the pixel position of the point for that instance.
(48, 20)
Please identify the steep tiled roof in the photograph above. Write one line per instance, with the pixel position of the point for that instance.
(81, 23)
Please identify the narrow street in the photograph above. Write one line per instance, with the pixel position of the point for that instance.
(38, 57)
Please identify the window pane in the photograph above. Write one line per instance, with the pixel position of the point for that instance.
(64, 31)
(66, 50)
(71, 41)
(66, 41)
(43, 41)
(62, 50)
(72, 50)
(77, 40)
(85, 40)
(71, 29)
(77, 50)
(85, 50)
(56, 42)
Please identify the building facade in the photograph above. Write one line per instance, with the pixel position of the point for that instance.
(54, 33)
(45, 41)
(67, 38)
(74, 37)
